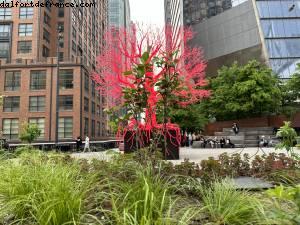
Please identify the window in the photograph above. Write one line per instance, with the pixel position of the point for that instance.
(10, 129)
(48, 5)
(37, 80)
(66, 79)
(11, 104)
(93, 89)
(40, 122)
(73, 32)
(86, 126)
(4, 31)
(98, 110)
(86, 82)
(93, 108)
(66, 102)
(98, 129)
(93, 130)
(46, 36)
(61, 12)
(86, 104)
(4, 49)
(73, 46)
(46, 51)
(65, 127)
(5, 13)
(47, 19)
(37, 103)
(281, 48)
(24, 47)
(61, 56)
(12, 81)
(26, 13)
(61, 26)
(25, 29)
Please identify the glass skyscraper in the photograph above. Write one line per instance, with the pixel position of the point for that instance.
(280, 22)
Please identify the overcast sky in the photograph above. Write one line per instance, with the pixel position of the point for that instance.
(147, 11)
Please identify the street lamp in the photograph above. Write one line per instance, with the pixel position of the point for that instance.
(59, 38)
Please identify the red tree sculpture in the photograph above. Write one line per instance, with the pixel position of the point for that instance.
(148, 73)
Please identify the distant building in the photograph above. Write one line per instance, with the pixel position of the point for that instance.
(28, 70)
(119, 13)
(228, 31)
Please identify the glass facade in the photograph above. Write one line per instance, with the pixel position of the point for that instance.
(280, 22)
(194, 11)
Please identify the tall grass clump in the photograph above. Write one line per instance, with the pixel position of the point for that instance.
(37, 190)
(224, 205)
(146, 199)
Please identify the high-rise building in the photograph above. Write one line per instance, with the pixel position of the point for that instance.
(231, 30)
(41, 47)
(119, 13)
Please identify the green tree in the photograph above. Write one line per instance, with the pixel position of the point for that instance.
(29, 132)
(243, 91)
(190, 118)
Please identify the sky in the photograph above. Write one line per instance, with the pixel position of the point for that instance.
(147, 12)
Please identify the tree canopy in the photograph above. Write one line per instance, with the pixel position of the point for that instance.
(243, 91)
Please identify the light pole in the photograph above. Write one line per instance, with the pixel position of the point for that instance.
(59, 38)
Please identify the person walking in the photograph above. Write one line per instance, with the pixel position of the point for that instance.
(222, 142)
(190, 140)
(78, 143)
(87, 144)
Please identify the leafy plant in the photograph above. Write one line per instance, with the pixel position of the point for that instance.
(29, 132)
(287, 135)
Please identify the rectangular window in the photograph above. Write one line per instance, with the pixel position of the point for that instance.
(12, 81)
(46, 36)
(86, 126)
(37, 80)
(47, 19)
(5, 13)
(10, 128)
(93, 108)
(93, 89)
(66, 79)
(11, 104)
(37, 104)
(26, 13)
(65, 127)
(98, 129)
(46, 51)
(40, 122)
(73, 46)
(25, 29)
(65, 102)
(93, 130)
(4, 49)
(24, 47)
(61, 26)
(86, 82)
(86, 104)
(61, 12)
(61, 56)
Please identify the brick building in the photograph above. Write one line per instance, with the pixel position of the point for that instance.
(30, 45)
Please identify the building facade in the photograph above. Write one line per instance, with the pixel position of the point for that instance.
(41, 47)
(119, 13)
(243, 30)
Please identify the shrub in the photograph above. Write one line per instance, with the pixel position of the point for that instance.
(29, 133)
(225, 205)
(36, 190)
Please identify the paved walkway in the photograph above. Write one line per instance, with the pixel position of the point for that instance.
(193, 154)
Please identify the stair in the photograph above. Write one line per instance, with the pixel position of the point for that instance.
(247, 137)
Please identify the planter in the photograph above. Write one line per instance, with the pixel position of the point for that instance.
(171, 153)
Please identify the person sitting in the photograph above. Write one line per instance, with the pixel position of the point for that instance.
(229, 144)
(263, 142)
(235, 128)
(222, 142)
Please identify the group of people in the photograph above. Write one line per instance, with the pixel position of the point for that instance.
(210, 143)
(86, 144)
